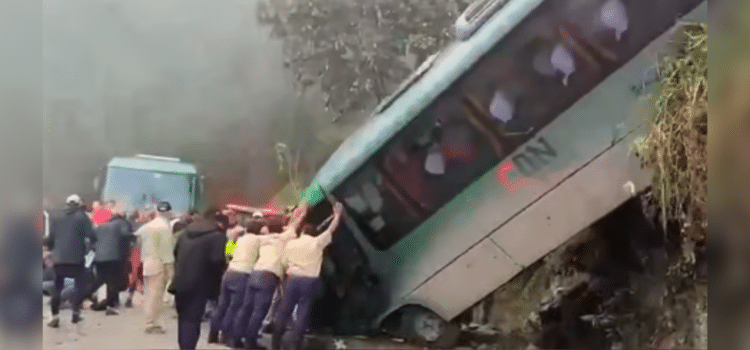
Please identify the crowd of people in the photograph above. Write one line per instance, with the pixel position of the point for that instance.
(239, 272)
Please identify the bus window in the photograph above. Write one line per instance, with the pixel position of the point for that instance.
(560, 53)
(434, 169)
(383, 210)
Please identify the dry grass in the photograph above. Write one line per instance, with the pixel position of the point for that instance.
(676, 147)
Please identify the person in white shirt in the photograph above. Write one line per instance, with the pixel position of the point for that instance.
(264, 280)
(157, 253)
(303, 258)
(233, 285)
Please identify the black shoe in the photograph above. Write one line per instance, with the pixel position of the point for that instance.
(129, 303)
(55, 323)
(76, 318)
(235, 344)
(99, 307)
(268, 329)
(213, 337)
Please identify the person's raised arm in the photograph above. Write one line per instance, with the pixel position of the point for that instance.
(326, 237)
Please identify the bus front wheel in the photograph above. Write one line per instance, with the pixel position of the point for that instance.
(424, 327)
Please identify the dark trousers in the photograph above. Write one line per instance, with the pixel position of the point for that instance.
(109, 273)
(256, 302)
(62, 271)
(190, 308)
(230, 301)
(299, 292)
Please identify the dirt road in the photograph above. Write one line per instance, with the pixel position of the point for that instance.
(125, 331)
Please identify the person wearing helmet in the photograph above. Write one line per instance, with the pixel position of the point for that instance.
(67, 240)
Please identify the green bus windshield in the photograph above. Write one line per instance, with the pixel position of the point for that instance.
(139, 188)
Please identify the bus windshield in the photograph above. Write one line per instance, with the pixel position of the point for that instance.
(139, 188)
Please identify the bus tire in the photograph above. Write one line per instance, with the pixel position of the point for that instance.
(425, 328)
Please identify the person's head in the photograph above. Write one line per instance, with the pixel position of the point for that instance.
(234, 219)
(164, 209)
(96, 205)
(74, 201)
(211, 213)
(223, 221)
(254, 227)
(264, 230)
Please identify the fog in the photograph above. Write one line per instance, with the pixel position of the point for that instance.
(194, 79)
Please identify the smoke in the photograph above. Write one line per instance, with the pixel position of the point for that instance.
(194, 79)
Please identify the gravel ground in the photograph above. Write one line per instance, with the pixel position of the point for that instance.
(125, 331)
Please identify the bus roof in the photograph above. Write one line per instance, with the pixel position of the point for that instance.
(446, 68)
(152, 165)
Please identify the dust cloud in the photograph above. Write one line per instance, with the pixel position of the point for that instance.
(199, 80)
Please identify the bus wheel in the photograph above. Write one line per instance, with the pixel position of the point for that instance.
(424, 327)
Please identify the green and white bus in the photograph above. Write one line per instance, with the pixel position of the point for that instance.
(144, 180)
(498, 149)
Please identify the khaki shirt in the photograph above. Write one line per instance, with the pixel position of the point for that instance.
(304, 256)
(157, 246)
(271, 251)
(245, 254)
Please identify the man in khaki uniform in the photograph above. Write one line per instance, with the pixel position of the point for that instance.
(157, 253)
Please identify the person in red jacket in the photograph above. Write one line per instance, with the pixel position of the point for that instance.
(101, 214)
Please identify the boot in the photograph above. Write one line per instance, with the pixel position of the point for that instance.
(76, 318)
(213, 337)
(235, 344)
(129, 301)
(55, 323)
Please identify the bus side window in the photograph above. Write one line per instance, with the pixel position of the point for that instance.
(381, 212)
(451, 153)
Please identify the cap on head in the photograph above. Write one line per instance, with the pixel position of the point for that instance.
(163, 207)
(74, 199)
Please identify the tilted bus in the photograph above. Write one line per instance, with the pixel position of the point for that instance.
(497, 150)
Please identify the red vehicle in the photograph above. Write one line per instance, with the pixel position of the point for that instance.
(274, 218)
